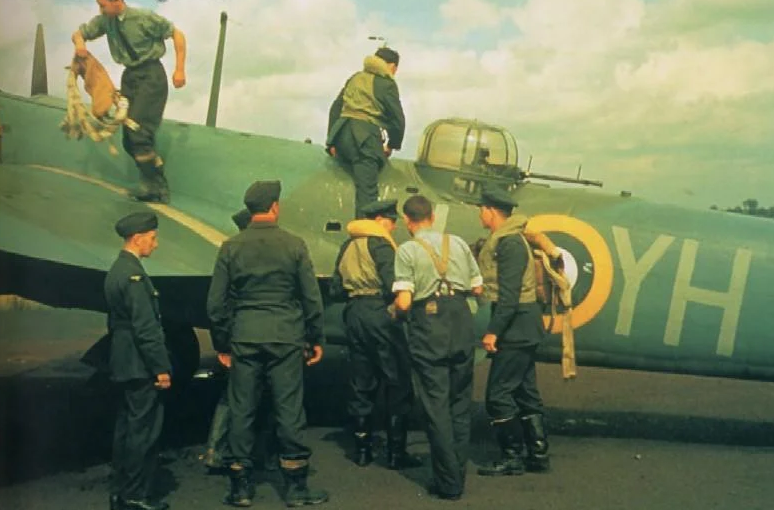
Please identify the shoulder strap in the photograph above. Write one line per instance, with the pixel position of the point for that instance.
(441, 264)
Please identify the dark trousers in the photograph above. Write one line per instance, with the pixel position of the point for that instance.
(378, 353)
(359, 145)
(441, 345)
(146, 88)
(267, 367)
(221, 425)
(511, 389)
(135, 439)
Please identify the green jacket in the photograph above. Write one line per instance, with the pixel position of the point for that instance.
(370, 95)
(143, 30)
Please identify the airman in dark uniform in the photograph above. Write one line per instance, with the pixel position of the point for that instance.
(514, 332)
(136, 41)
(364, 274)
(139, 365)
(367, 108)
(217, 440)
(434, 274)
(264, 304)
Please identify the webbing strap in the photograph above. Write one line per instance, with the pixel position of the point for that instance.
(441, 264)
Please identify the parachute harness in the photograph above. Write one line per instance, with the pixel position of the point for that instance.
(79, 120)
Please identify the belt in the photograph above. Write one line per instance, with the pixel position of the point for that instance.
(143, 64)
(364, 293)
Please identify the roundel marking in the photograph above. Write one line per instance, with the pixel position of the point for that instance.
(601, 264)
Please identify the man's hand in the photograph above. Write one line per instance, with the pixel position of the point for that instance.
(313, 354)
(387, 152)
(80, 45)
(178, 78)
(477, 291)
(163, 381)
(331, 150)
(489, 341)
(224, 359)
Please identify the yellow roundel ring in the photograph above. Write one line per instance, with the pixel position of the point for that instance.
(601, 259)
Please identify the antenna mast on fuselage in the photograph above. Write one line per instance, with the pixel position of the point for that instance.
(212, 110)
(39, 73)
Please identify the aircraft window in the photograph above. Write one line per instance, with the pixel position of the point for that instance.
(412, 189)
(445, 146)
(496, 145)
(332, 226)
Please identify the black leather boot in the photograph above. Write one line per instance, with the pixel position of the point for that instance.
(242, 489)
(363, 441)
(217, 441)
(508, 435)
(537, 443)
(397, 456)
(153, 183)
(298, 492)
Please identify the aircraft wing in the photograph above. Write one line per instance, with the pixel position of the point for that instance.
(58, 242)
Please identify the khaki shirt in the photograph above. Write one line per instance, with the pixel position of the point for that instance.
(144, 30)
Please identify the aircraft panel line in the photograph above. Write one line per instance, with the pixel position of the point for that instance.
(210, 234)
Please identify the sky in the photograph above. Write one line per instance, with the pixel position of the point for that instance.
(672, 100)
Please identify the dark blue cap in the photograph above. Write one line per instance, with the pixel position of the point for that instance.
(242, 219)
(136, 223)
(388, 55)
(495, 196)
(385, 208)
(261, 194)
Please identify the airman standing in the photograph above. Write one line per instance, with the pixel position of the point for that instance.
(264, 304)
(364, 274)
(434, 274)
(139, 364)
(514, 332)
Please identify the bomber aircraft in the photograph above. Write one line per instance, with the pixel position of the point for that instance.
(654, 287)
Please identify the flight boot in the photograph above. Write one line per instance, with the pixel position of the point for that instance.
(217, 440)
(153, 183)
(537, 443)
(242, 489)
(298, 492)
(397, 456)
(363, 441)
(508, 435)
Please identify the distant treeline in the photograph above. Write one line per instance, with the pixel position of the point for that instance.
(751, 208)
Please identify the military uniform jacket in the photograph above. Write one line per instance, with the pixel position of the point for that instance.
(515, 324)
(264, 290)
(137, 349)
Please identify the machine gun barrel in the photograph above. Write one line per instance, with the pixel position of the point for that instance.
(547, 177)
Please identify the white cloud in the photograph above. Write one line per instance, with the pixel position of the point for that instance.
(462, 16)
(638, 92)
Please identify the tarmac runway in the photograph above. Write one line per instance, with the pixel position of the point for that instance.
(619, 439)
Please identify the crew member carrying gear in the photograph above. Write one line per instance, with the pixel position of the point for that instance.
(364, 274)
(136, 40)
(515, 330)
(367, 108)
